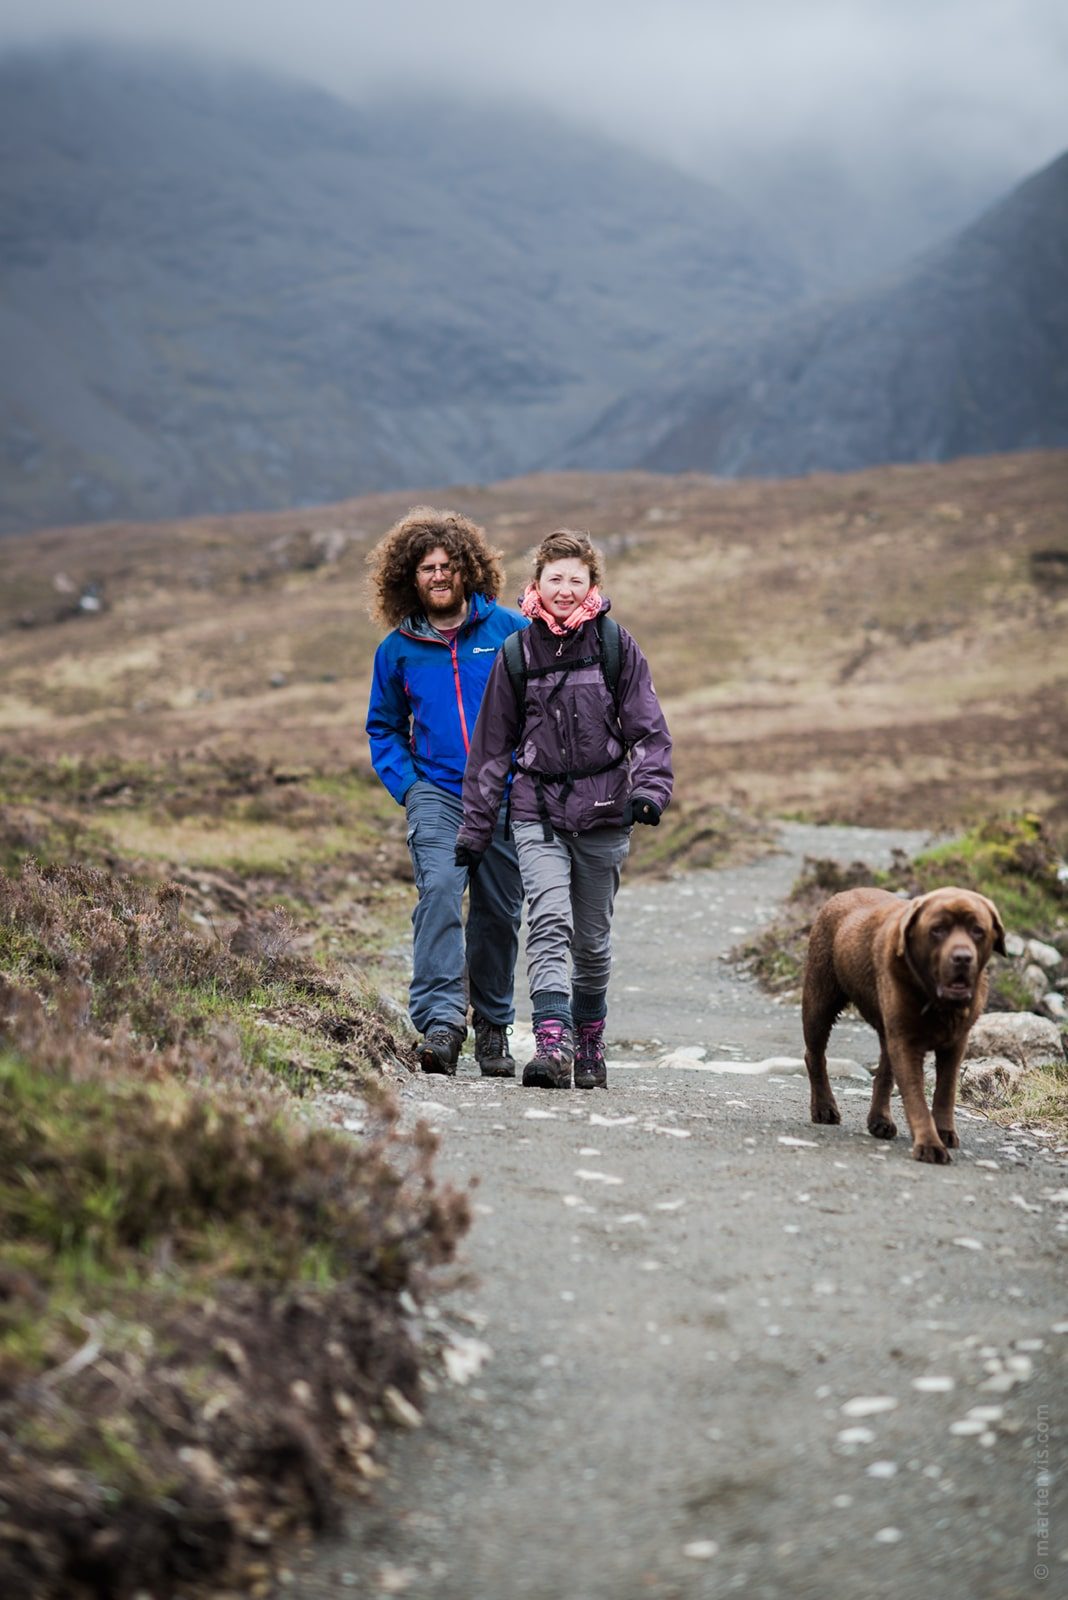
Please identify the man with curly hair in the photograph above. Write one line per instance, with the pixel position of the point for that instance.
(433, 582)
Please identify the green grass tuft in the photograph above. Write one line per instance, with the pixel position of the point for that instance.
(1012, 860)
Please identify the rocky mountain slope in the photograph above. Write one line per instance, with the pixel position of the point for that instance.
(220, 291)
(965, 355)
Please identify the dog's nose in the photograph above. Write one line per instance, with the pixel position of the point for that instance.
(962, 958)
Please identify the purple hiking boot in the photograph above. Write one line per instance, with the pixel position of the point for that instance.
(590, 1069)
(551, 1065)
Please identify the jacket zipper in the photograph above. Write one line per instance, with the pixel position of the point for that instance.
(451, 644)
(459, 693)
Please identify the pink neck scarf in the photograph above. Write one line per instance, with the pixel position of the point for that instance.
(531, 605)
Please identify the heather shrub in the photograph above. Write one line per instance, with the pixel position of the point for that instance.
(206, 1297)
(203, 1302)
(127, 943)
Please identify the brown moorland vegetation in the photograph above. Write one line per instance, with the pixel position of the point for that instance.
(884, 646)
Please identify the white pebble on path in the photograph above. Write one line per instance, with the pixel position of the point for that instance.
(869, 1405)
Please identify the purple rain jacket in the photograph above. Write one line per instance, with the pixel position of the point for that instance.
(571, 726)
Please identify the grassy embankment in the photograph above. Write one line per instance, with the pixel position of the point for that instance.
(205, 1305)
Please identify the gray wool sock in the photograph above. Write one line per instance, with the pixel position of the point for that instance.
(587, 1007)
(551, 1003)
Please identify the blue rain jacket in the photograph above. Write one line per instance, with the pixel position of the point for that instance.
(426, 693)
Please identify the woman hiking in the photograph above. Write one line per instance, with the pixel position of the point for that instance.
(573, 698)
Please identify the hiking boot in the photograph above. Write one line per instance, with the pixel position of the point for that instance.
(551, 1065)
(590, 1069)
(440, 1049)
(494, 1058)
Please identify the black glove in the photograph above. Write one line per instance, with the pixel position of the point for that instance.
(466, 857)
(638, 809)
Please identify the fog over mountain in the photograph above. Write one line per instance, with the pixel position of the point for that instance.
(966, 354)
(223, 287)
(867, 131)
(958, 84)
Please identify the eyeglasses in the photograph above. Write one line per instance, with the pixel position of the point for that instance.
(429, 569)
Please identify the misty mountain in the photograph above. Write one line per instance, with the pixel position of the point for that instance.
(221, 291)
(966, 354)
(849, 218)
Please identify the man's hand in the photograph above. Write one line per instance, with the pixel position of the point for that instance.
(466, 857)
(638, 809)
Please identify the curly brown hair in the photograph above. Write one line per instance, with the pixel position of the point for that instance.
(569, 542)
(391, 585)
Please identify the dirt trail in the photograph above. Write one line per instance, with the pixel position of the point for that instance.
(730, 1352)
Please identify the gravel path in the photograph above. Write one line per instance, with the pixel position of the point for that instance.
(723, 1350)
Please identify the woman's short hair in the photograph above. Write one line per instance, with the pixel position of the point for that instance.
(569, 543)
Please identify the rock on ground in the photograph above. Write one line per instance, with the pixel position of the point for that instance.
(1020, 1035)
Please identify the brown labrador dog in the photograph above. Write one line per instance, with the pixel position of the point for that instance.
(914, 969)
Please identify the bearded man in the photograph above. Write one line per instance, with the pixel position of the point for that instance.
(434, 579)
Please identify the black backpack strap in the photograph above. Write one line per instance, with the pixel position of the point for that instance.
(512, 651)
(611, 660)
(515, 663)
(611, 652)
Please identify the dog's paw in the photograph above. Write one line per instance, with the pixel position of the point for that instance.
(935, 1153)
(949, 1138)
(882, 1128)
(826, 1112)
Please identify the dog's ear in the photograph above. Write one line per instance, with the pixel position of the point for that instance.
(999, 926)
(912, 912)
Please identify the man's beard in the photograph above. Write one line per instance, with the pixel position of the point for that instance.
(443, 602)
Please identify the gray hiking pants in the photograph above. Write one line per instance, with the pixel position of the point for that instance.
(442, 947)
(570, 882)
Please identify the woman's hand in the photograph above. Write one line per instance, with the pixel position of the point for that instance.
(638, 809)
